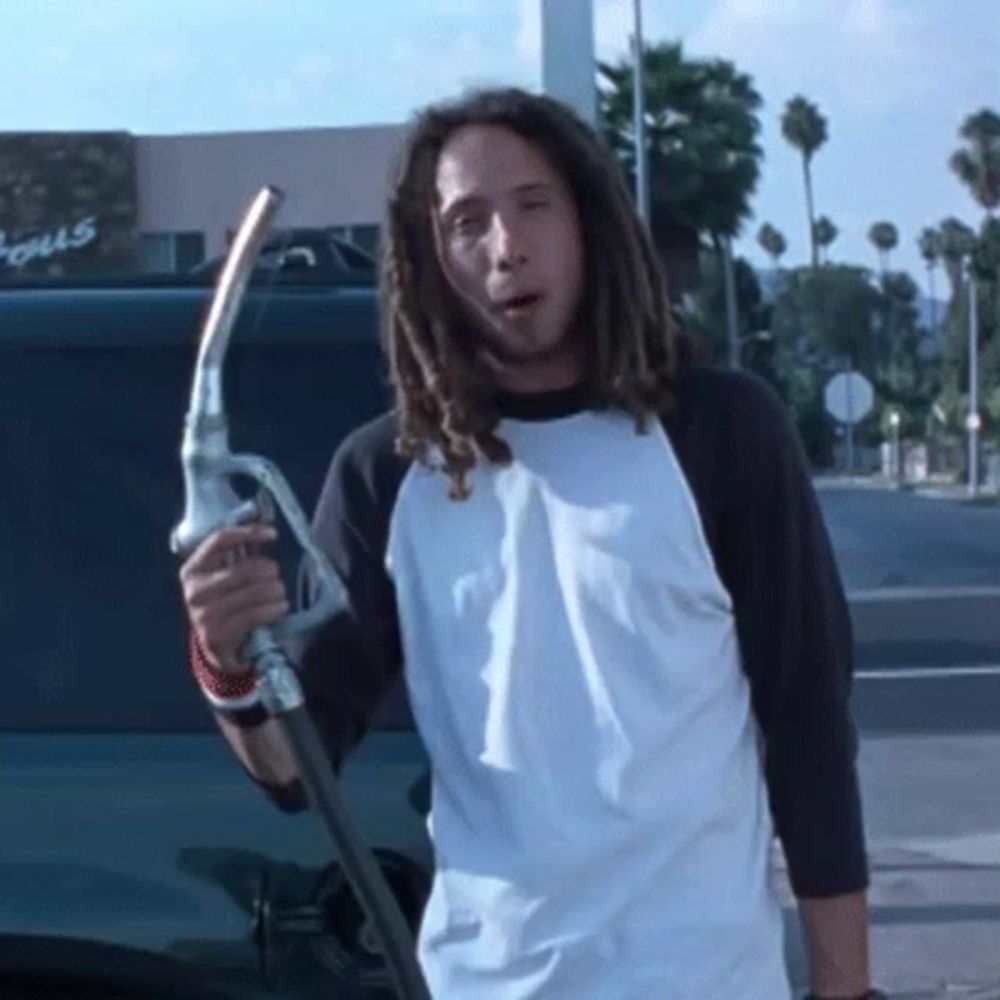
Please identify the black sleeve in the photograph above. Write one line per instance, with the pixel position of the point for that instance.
(347, 664)
(796, 638)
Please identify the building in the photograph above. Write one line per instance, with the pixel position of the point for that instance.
(194, 188)
(113, 202)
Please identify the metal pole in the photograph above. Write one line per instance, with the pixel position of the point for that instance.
(973, 387)
(639, 110)
(896, 457)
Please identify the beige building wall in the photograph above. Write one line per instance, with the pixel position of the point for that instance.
(203, 183)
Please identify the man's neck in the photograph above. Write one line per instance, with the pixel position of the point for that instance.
(548, 375)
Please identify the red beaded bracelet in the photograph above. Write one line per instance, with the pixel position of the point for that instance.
(221, 684)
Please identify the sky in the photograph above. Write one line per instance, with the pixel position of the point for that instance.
(895, 79)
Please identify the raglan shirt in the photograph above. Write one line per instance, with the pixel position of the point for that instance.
(629, 658)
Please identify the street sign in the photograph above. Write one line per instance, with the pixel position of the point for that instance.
(849, 397)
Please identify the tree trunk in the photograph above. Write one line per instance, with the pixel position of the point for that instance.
(809, 209)
(953, 269)
(725, 250)
(930, 282)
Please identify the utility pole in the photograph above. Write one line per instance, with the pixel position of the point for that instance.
(639, 111)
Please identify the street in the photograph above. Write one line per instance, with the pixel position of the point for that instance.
(923, 580)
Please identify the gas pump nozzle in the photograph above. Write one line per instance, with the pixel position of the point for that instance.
(212, 503)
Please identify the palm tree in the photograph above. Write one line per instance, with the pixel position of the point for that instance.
(900, 291)
(824, 233)
(929, 243)
(805, 128)
(978, 164)
(957, 241)
(704, 158)
(978, 167)
(772, 242)
(885, 238)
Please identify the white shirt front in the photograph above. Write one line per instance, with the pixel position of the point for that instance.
(600, 818)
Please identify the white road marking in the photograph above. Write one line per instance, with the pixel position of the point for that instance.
(906, 673)
(888, 594)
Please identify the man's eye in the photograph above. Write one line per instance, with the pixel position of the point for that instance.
(467, 223)
(537, 203)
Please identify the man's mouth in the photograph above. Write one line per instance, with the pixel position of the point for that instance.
(517, 305)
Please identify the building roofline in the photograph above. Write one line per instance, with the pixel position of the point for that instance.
(372, 129)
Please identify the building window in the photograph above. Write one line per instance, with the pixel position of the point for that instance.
(365, 237)
(172, 253)
(354, 258)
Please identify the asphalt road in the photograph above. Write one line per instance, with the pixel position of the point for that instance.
(885, 538)
(923, 579)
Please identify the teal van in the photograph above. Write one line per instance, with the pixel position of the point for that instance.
(137, 859)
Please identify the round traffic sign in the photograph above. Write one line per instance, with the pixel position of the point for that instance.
(849, 397)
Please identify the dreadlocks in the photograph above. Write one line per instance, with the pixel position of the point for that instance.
(442, 391)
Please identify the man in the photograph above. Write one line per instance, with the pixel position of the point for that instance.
(603, 572)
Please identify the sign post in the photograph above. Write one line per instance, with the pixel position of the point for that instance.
(849, 398)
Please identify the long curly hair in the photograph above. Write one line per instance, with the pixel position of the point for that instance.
(442, 390)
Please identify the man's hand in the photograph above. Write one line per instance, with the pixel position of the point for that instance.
(836, 935)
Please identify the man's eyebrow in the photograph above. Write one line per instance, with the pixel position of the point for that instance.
(533, 187)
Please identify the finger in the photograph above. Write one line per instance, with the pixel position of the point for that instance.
(231, 577)
(212, 553)
(206, 588)
(268, 592)
(220, 611)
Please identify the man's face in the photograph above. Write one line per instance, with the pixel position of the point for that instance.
(510, 245)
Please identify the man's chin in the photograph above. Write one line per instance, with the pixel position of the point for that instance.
(515, 358)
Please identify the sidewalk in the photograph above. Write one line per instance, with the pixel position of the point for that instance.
(932, 490)
(935, 927)
(932, 821)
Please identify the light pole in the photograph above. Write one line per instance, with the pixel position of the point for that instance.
(896, 465)
(972, 422)
(972, 425)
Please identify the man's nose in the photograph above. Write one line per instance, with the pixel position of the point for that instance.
(508, 250)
